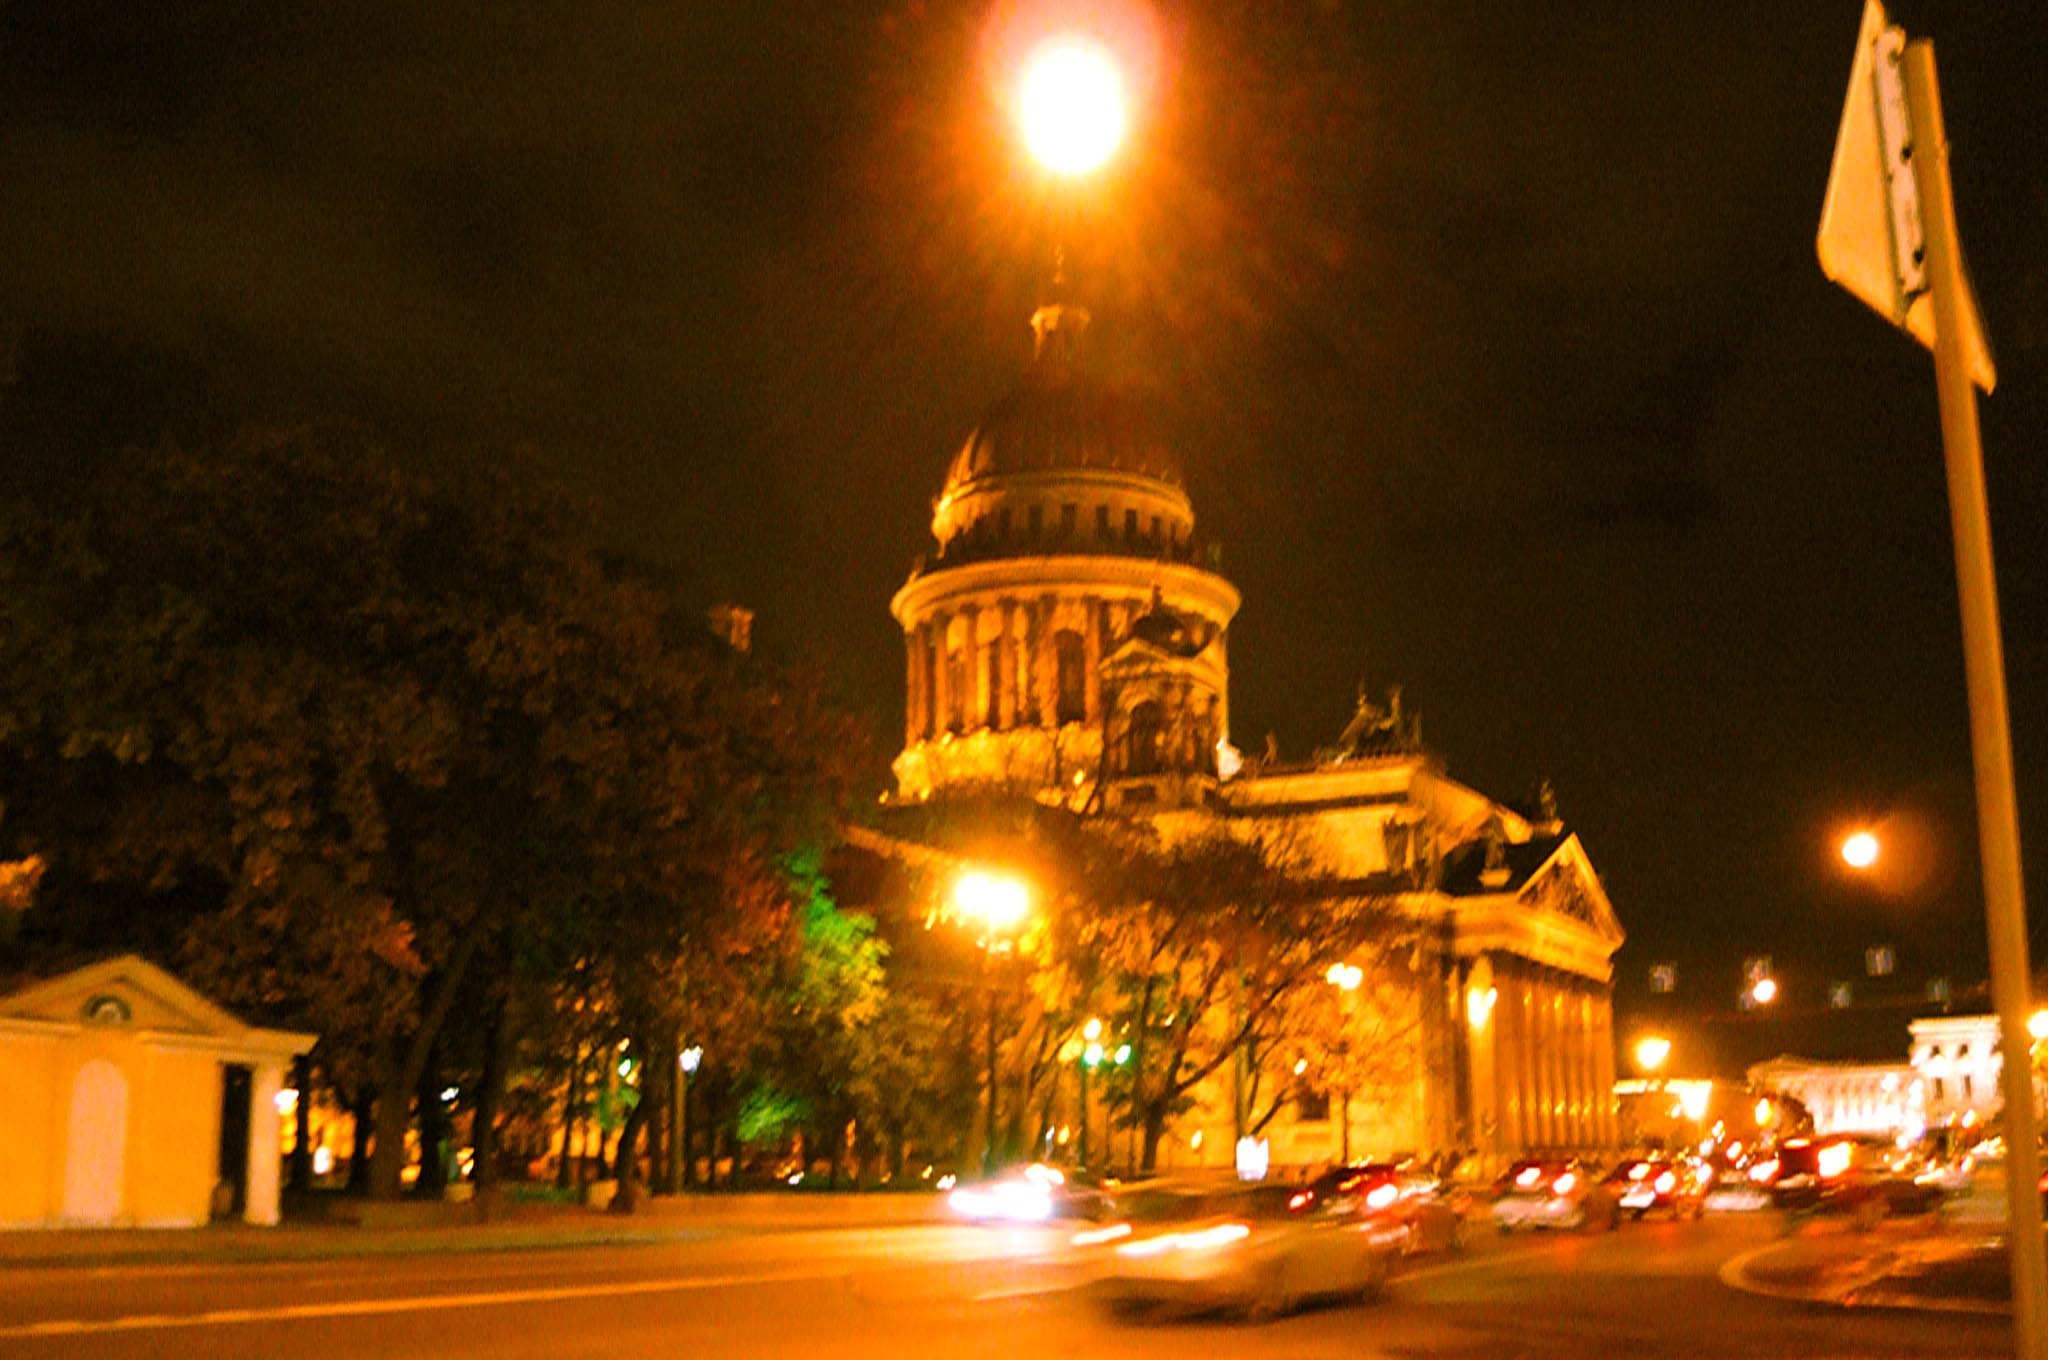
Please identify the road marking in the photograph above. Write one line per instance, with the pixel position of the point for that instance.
(1734, 1273)
(420, 1303)
(1028, 1291)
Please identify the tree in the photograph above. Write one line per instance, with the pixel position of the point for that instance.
(367, 748)
(1198, 947)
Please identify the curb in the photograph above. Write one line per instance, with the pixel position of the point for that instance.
(1858, 1286)
(656, 1224)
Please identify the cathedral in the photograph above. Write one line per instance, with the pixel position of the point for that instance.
(1069, 636)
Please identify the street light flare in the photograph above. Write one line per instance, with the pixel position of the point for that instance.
(1651, 1051)
(1859, 850)
(1071, 105)
(1764, 991)
(997, 902)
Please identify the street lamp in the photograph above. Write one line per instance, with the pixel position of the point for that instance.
(1070, 105)
(687, 1061)
(1345, 977)
(1091, 1058)
(1764, 990)
(1651, 1051)
(1860, 850)
(1000, 905)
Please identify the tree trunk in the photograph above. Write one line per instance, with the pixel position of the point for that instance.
(302, 1150)
(626, 1165)
(435, 1128)
(395, 1076)
(1155, 1129)
(364, 1112)
(483, 1128)
(394, 1114)
(570, 1100)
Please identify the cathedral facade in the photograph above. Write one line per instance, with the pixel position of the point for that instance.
(1069, 637)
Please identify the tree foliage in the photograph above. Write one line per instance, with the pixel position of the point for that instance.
(355, 743)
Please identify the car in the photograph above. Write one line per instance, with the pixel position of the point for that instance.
(1552, 1193)
(1406, 1208)
(1034, 1193)
(1646, 1185)
(1856, 1174)
(1260, 1251)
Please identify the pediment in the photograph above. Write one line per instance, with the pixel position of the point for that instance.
(1567, 886)
(128, 992)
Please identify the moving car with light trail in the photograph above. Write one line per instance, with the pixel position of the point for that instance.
(1029, 1194)
(1260, 1251)
(1404, 1208)
(1868, 1177)
(1645, 1185)
(1552, 1193)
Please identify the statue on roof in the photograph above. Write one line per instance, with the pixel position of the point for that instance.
(1375, 731)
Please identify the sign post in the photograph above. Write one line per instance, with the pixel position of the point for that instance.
(1888, 234)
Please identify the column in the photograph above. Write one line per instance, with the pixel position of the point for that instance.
(1028, 666)
(259, 1205)
(1047, 658)
(913, 685)
(1091, 658)
(1482, 1044)
(1603, 1068)
(1514, 1077)
(1589, 1041)
(941, 626)
(1006, 665)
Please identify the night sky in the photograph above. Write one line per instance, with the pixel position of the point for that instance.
(1491, 334)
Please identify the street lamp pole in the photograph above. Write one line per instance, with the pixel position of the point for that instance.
(988, 1147)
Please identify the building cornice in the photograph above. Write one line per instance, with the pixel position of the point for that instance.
(1184, 587)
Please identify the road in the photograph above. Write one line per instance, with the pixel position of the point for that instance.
(1648, 1290)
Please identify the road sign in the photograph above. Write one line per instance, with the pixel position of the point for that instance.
(1871, 237)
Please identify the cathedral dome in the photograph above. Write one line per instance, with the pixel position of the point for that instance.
(1061, 421)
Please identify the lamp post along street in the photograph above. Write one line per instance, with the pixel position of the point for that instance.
(988, 1147)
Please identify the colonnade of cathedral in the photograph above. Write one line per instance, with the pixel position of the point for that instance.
(1012, 662)
(1542, 1069)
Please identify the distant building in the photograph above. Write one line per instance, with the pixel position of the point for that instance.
(1958, 1057)
(1950, 1080)
(1887, 1098)
(1068, 641)
(133, 1101)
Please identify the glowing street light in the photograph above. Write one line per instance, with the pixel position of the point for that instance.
(1651, 1051)
(1071, 105)
(1345, 976)
(2037, 1025)
(1000, 904)
(1764, 991)
(997, 902)
(1859, 850)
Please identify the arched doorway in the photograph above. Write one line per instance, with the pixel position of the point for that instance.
(96, 1145)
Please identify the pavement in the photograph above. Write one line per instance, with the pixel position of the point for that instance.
(454, 1229)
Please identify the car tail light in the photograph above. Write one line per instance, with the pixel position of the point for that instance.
(1765, 1171)
(1665, 1183)
(1381, 1196)
(1528, 1176)
(1832, 1160)
(1565, 1184)
(1638, 1171)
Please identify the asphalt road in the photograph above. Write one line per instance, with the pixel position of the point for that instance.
(1647, 1290)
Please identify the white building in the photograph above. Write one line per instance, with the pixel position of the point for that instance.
(1888, 1098)
(1958, 1057)
(1951, 1079)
